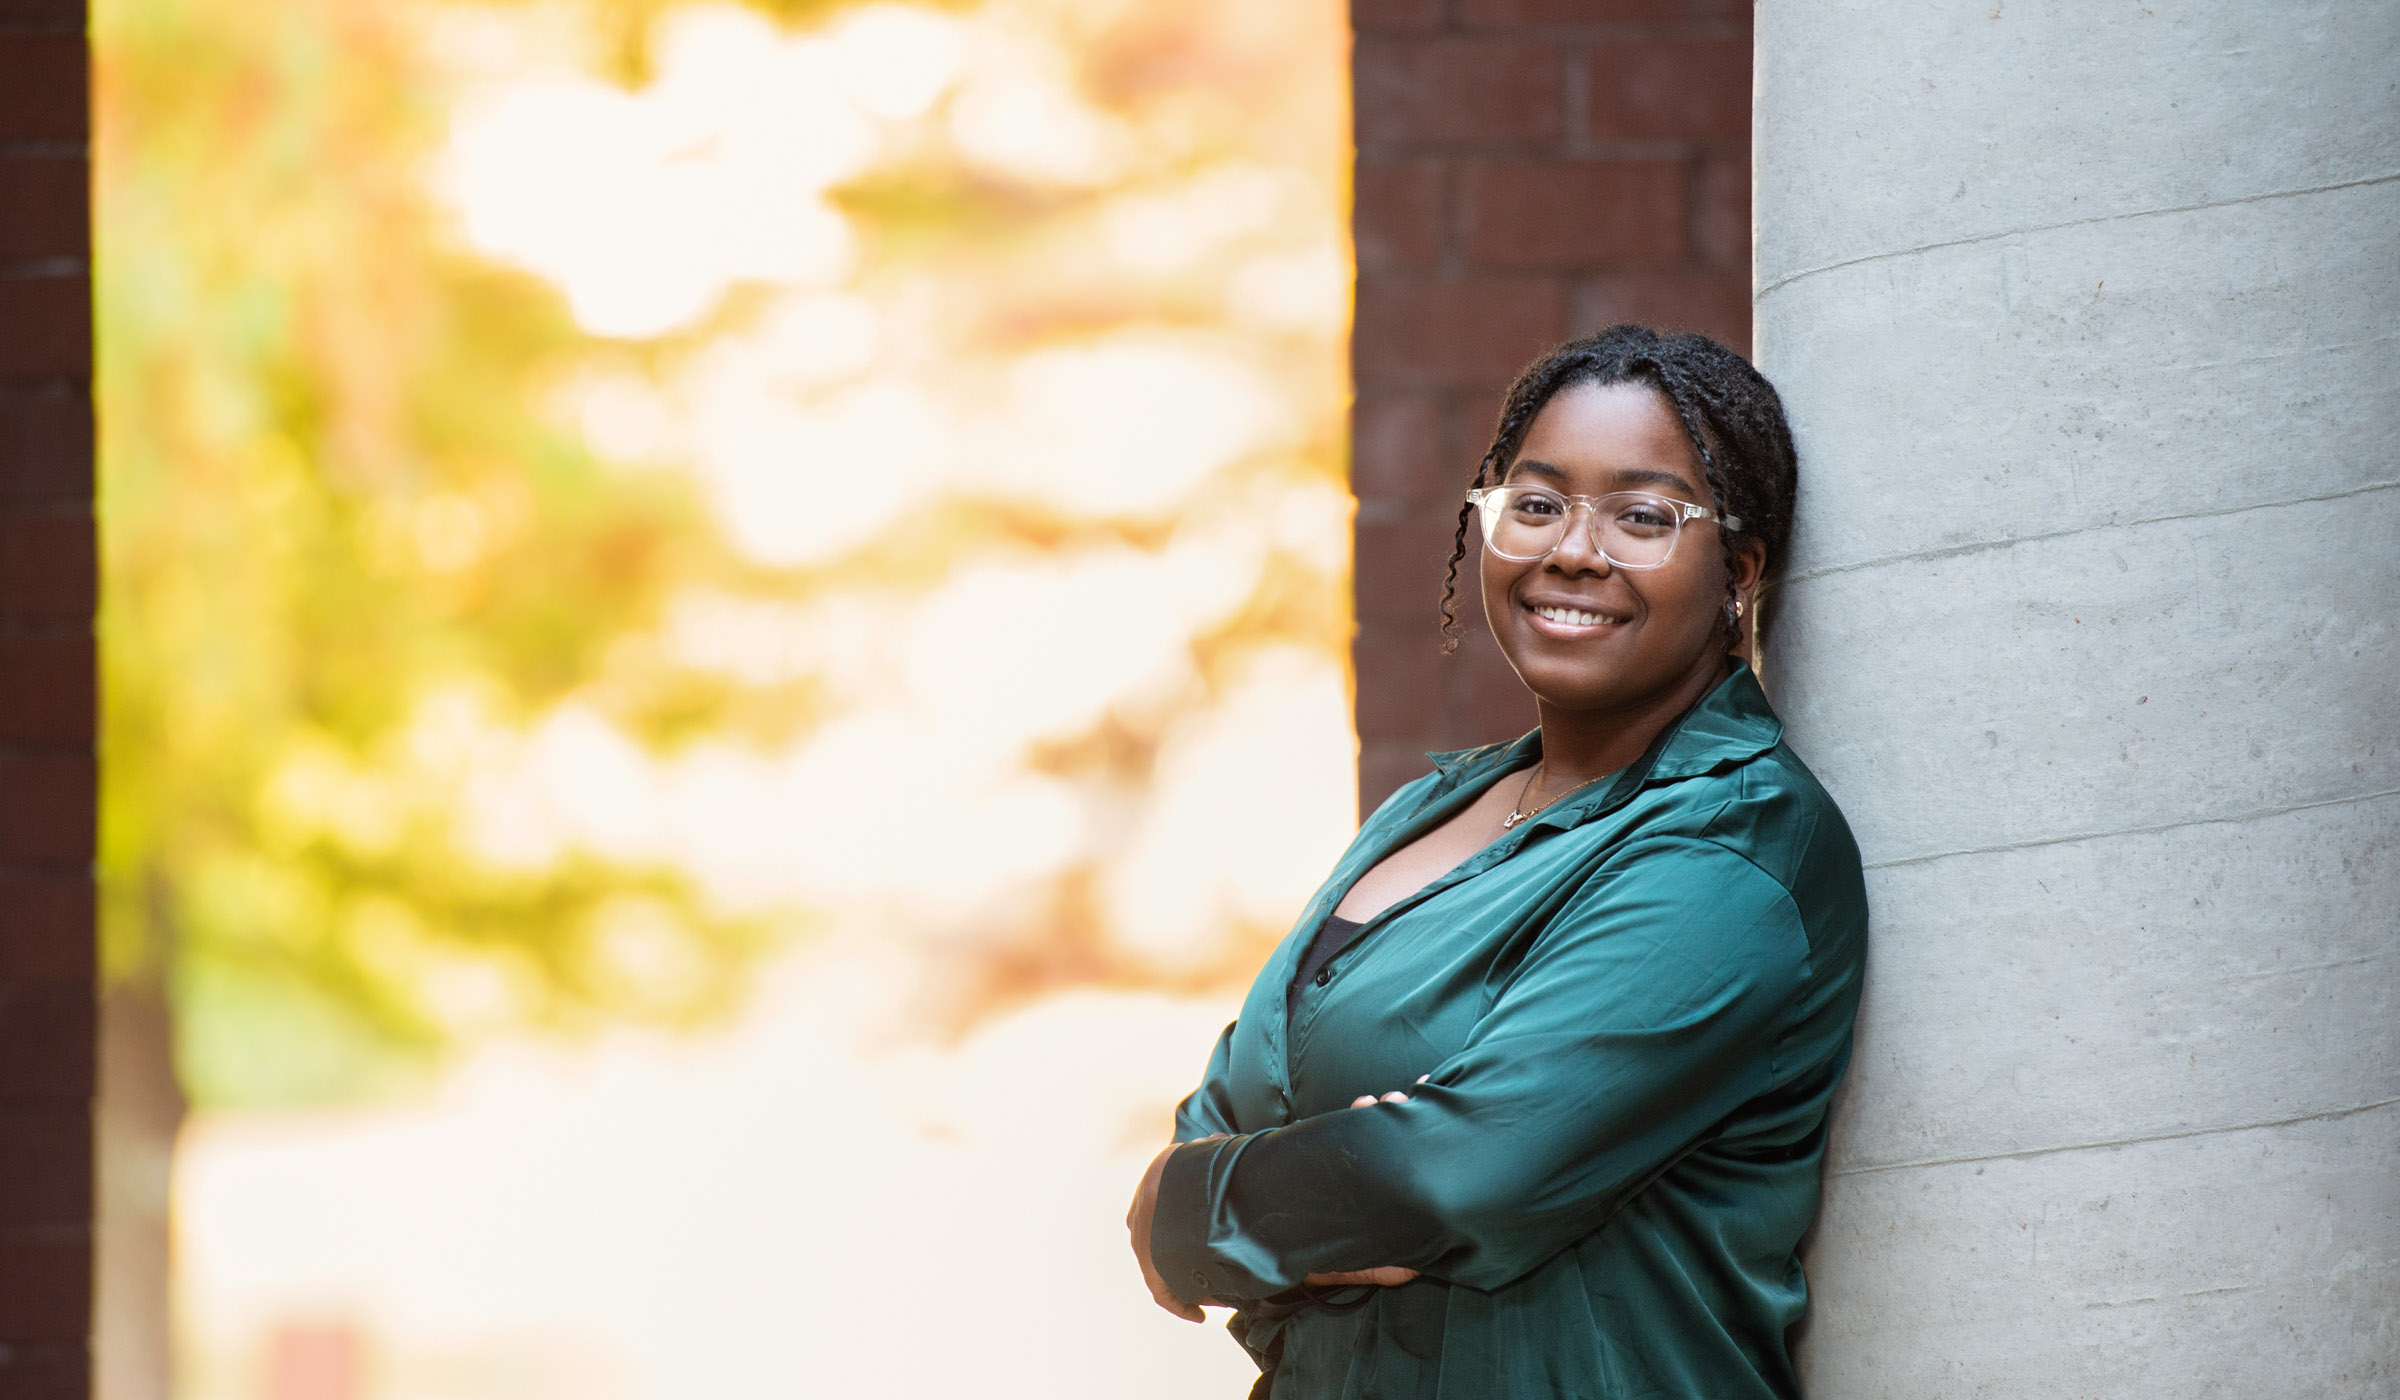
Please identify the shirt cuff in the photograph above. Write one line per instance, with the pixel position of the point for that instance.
(1180, 1226)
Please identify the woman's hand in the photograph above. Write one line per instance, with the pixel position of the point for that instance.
(1137, 1224)
(1145, 1206)
(1370, 1100)
(1388, 1275)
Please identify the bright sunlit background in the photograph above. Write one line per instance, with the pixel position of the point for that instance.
(724, 646)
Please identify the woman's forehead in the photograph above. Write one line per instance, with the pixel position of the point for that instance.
(1611, 436)
(1622, 478)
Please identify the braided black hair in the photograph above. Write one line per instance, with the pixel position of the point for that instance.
(1729, 411)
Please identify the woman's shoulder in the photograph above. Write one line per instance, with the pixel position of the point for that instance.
(1772, 813)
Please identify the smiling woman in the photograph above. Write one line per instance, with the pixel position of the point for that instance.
(1614, 963)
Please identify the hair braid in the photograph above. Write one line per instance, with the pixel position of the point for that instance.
(1732, 416)
(1681, 392)
(1513, 424)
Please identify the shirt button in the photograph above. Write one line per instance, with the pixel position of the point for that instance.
(1324, 977)
(1199, 1278)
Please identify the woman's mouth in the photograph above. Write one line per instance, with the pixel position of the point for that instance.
(1562, 618)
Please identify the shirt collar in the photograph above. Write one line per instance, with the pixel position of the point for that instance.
(1731, 725)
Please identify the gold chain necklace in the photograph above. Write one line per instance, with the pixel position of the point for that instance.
(1521, 813)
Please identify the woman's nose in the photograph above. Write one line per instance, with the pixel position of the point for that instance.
(1578, 548)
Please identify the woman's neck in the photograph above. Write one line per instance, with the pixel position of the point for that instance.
(1578, 745)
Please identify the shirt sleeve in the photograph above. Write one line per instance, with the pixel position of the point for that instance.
(1209, 1108)
(1644, 1014)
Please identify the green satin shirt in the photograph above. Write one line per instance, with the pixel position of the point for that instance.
(1633, 1008)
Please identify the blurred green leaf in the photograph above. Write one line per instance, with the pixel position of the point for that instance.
(328, 497)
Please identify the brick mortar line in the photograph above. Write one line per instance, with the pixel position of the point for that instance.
(1387, 510)
(1567, 151)
(42, 1228)
(1634, 30)
(1574, 99)
(1696, 229)
(1451, 257)
(61, 1232)
(1682, 262)
(50, 269)
(1472, 272)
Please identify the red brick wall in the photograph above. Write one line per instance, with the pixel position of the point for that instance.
(1527, 170)
(47, 589)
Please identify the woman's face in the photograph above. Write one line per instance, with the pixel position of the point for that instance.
(1656, 632)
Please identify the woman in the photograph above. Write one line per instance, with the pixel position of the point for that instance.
(1532, 1100)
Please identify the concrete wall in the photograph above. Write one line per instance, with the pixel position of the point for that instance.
(46, 706)
(1527, 170)
(2086, 316)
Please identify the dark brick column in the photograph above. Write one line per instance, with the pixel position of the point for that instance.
(47, 777)
(1527, 170)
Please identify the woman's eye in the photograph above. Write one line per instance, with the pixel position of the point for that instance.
(1647, 517)
(1536, 505)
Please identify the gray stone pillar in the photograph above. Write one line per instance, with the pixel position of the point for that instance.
(2086, 317)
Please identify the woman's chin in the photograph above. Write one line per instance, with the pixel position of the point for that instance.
(1573, 691)
(1595, 661)
(1593, 686)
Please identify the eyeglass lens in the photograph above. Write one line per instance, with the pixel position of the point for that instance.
(1634, 530)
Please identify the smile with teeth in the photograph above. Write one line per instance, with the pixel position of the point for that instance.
(1572, 617)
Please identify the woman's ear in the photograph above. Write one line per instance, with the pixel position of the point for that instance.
(1749, 566)
(1748, 570)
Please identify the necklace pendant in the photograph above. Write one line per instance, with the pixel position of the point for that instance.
(1509, 822)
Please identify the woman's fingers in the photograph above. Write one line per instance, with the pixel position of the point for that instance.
(1138, 1219)
(1388, 1276)
(1165, 1298)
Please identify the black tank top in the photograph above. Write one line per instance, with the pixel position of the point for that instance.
(1329, 941)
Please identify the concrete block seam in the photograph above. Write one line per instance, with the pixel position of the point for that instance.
(2320, 1116)
(1768, 289)
(1956, 551)
(2224, 819)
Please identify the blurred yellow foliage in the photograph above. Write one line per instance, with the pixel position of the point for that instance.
(440, 450)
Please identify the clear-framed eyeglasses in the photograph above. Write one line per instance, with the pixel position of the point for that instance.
(1634, 529)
